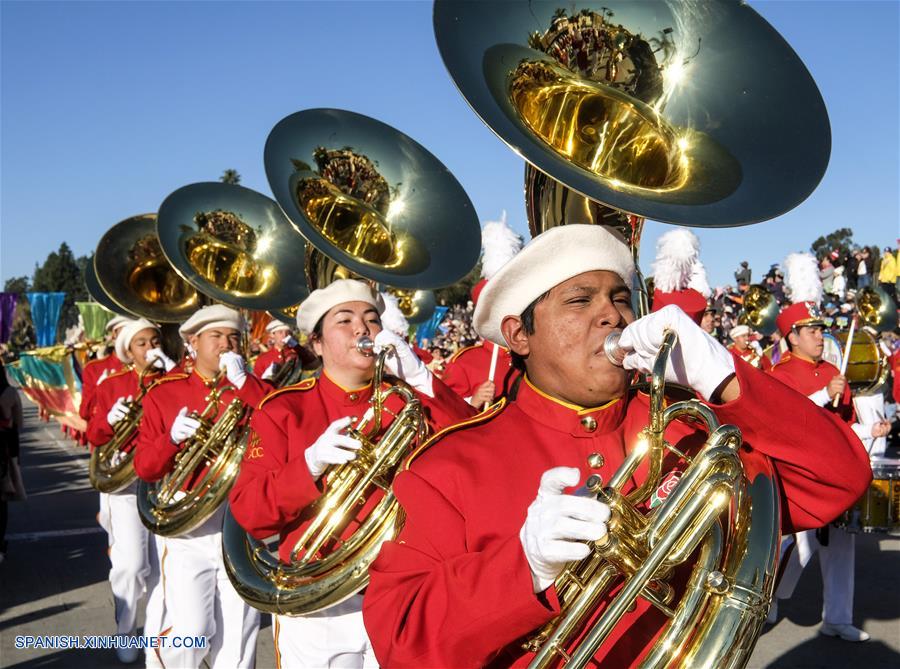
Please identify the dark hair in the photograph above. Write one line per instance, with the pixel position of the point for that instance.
(317, 328)
(527, 318)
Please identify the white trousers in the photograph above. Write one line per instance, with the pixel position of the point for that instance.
(837, 560)
(200, 601)
(134, 567)
(334, 638)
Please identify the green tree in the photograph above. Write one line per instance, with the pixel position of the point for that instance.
(230, 176)
(62, 272)
(841, 240)
(461, 291)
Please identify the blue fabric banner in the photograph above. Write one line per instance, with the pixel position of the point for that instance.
(427, 329)
(45, 310)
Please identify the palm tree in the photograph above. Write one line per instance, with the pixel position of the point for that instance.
(230, 176)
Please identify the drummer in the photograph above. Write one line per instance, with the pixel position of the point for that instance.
(803, 369)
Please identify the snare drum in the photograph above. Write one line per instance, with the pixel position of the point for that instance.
(879, 509)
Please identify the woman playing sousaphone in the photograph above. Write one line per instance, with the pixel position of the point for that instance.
(299, 432)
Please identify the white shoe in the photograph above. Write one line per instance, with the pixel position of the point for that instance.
(128, 655)
(845, 632)
(772, 618)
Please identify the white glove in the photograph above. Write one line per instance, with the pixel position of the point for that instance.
(184, 427)
(160, 360)
(698, 361)
(331, 448)
(118, 411)
(270, 371)
(404, 363)
(235, 368)
(557, 524)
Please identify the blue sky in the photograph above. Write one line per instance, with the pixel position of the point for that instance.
(107, 107)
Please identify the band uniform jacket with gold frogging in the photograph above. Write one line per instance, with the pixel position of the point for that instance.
(455, 588)
(155, 453)
(275, 485)
(118, 384)
(470, 367)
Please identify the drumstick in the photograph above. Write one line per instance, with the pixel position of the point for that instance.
(493, 370)
(846, 358)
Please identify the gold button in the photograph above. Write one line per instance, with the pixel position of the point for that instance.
(589, 423)
(353, 397)
(595, 461)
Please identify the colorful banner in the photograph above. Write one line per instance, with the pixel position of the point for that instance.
(95, 317)
(427, 329)
(7, 313)
(45, 310)
(48, 378)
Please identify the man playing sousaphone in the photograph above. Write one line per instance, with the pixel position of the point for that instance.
(299, 432)
(199, 599)
(490, 523)
(134, 566)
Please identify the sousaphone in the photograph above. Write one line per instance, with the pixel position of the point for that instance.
(696, 114)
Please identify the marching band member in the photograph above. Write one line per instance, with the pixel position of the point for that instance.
(679, 276)
(740, 345)
(469, 371)
(489, 525)
(199, 598)
(96, 370)
(804, 370)
(298, 434)
(132, 552)
(284, 348)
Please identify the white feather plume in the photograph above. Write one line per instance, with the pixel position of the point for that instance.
(802, 278)
(392, 318)
(699, 281)
(499, 243)
(676, 253)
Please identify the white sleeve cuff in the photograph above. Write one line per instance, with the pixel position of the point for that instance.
(820, 397)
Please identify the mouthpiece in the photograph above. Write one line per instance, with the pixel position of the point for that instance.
(614, 352)
(365, 345)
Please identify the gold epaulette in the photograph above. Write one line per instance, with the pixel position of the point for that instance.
(491, 412)
(118, 372)
(302, 385)
(93, 362)
(166, 378)
(784, 359)
(461, 351)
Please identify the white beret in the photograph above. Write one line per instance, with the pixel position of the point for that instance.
(213, 316)
(739, 331)
(321, 300)
(276, 324)
(116, 321)
(127, 333)
(552, 257)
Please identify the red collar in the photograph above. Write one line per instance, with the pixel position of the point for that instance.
(344, 396)
(570, 418)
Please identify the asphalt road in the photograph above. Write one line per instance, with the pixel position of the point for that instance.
(53, 580)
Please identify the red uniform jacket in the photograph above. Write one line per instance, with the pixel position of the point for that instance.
(90, 374)
(155, 453)
(747, 355)
(455, 589)
(273, 355)
(118, 384)
(469, 368)
(275, 485)
(808, 377)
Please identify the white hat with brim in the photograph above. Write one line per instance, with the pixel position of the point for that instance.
(116, 321)
(276, 324)
(549, 259)
(214, 316)
(322, 300)
(739, 331)
(127, 333)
